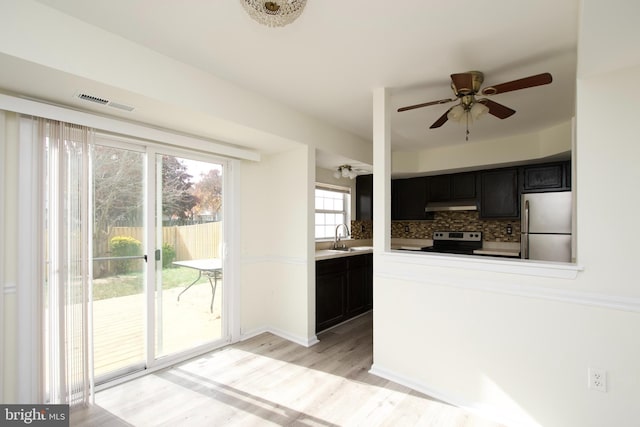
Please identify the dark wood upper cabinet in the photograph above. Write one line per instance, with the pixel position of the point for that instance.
(364, 197)
(408, 198)
(499, 193)
(443, 188)
(497, 190)
(439, 188)
(546, 177)
(463, 186)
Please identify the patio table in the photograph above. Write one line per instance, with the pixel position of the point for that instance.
(210, 267)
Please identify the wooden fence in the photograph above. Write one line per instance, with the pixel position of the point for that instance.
(189, 241)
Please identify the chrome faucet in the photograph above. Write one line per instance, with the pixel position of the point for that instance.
(336, 241)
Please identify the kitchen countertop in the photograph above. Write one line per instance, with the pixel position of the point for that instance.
(329, 253)
(502, 249)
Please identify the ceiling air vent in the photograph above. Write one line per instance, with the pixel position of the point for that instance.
(92, 98)
(103, 101)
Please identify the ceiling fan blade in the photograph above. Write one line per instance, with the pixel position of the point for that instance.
(531, 81)
(426, 104)
(496, 109)
(442, 120)
(462, 83)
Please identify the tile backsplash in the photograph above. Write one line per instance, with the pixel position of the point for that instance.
(361, 229)
(493, 230)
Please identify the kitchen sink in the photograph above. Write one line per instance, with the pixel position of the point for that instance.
(352, 249)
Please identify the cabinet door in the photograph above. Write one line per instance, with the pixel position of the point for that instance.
(409, 198)
(463, 186)
(330, 303)
(439, 188)
(357, 285)
(499, 194)
(543, 177)
(331, 287)
(364, 197)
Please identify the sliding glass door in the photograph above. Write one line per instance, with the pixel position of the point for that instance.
(132, 255)
(119, 267)
(157, 287)
(189, 290)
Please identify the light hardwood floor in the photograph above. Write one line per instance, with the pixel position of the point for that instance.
(267, 380)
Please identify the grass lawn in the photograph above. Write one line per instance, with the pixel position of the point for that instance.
(132, 283)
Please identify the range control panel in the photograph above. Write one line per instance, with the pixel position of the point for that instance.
(461, 236)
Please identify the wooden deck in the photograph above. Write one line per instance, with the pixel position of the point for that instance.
(119, 327)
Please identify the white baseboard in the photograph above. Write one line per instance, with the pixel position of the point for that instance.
(477, 408)
(303, 341)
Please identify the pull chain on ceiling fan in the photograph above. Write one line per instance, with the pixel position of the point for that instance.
(466, 86)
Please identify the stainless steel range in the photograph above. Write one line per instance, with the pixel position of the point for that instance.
(455, 242)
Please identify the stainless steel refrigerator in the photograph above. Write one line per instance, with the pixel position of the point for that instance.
(546, 226)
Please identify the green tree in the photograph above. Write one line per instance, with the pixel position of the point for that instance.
(209, 193)
(178, 199)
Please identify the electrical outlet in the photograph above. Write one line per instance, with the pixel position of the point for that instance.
(406, 228)
(597, 379)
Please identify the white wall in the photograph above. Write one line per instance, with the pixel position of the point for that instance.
(277, 250)
(486, 154)
(516, 346)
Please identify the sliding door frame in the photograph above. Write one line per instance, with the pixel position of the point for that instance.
(29, 355)
(153, 204)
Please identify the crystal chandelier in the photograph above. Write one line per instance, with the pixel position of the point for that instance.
(277, 13)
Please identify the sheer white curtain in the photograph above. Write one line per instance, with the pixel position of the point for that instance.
(68, 267)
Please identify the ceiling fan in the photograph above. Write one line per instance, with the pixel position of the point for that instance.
(466, 86)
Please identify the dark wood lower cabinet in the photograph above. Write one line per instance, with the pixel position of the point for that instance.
(344, 289)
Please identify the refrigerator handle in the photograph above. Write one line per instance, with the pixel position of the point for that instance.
(525, 234)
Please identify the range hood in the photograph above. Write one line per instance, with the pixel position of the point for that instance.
(452, 205)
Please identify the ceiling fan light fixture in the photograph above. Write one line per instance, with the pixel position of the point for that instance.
(478, 110)
(456, 113)
(276, 13)
(345, 171)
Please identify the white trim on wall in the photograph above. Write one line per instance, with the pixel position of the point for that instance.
(479, 263)
(276, 259)
(231, 247)
(306, 342)
(514, 288)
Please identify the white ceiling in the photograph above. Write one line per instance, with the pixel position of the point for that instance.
(327, 62)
